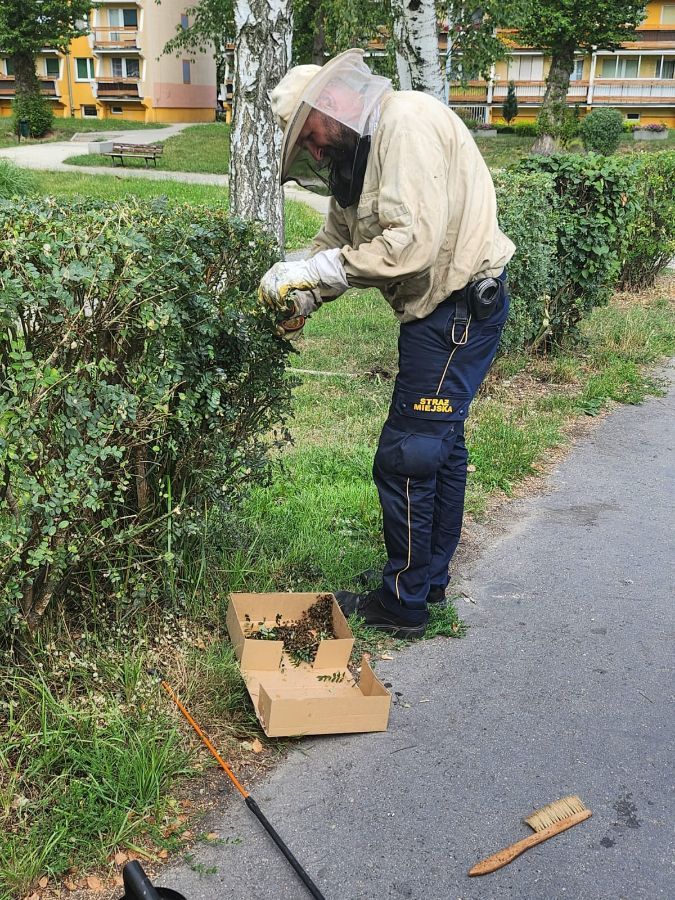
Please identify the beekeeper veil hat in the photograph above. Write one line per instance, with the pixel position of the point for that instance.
(344, 89)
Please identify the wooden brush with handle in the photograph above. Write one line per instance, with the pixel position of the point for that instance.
(546, 822)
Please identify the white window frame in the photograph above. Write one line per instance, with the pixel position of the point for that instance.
(90, 69)
(124, 60)
(659, 67)
(58, 63)
(632, 117)
(6, 65)
(578, 70)
(619, 61)
(85, 106)
(116, 110)
(671, 9)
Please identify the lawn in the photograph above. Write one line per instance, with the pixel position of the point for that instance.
(64, 129)
(200, 148)
(302, 223)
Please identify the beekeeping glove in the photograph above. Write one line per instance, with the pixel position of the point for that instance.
(300, 305)
(324, 272)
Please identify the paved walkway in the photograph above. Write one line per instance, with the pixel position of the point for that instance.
(563, 685)
(51, 156)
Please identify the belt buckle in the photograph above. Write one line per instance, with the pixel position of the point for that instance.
(465, 336)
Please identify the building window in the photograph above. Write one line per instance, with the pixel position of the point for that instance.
(668, 14)
(665, 68)
(632, 117)
(127, 67)
(89, 112)
(621, 67)
(116, 110)
(85, 69)
(9, 68)
(186, 71)
(52, 67)
(526, 68)
(578, 71)
(123, 18)
(184, 24)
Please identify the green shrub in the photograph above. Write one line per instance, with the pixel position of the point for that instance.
(15, 181)
(595, 207)
(601, 131)
(525, 129)
(38, 112)
(139, 381)
(651, 243)
(466, 117)
(527, 213)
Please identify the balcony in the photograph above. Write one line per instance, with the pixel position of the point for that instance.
(8, 87)
(115, 37)
(634, 90)
(533, 91)
(472, 92)
(118, 88)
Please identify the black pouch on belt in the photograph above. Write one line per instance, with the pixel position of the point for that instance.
(483, 297)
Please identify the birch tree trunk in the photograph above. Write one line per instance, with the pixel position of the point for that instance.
(417, 59)
(262, 55)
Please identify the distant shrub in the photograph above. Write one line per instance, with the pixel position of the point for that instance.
(655, 127)
(37, 111)
(505, 129)
(139, 382)
(15, 181)
(601, 131)
(526, 129)
(651, 236)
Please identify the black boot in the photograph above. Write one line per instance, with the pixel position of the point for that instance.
(376, 615)
(437, 596)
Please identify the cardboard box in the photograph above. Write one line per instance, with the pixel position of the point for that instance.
(294, 699)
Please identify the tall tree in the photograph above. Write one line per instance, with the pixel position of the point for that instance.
(561, 27)
(417, 58)
(28, 26)
(323, 28)
(473, 41)
(262, 56)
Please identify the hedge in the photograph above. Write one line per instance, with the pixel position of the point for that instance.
(139, 381)
(651, 237)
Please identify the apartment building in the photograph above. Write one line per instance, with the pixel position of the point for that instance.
(117, 70)
(638, 79)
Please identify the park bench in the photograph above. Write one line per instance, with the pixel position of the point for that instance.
(135, 151)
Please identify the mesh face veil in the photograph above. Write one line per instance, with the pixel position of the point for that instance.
(348, 93)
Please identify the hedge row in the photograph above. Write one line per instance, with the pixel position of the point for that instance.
(583, 225)
(139, 378)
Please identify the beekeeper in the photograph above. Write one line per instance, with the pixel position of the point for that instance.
(413, 213)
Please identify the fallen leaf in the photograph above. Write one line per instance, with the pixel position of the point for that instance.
(43, 882)
(386, 656)
(94, 883)
(455, 627)
(70, 885)
(246, 745)
(33, 897)
(187, 835)
(121, 858)
(256, 746)
(163, 854)
(118, 881)
(212, 836)
(470, 468)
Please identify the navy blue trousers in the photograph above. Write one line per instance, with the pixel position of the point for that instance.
(420, 464)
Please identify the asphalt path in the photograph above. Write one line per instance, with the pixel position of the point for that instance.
(563, 685)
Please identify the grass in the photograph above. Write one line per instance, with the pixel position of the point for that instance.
(302, 223)
(64, 129)
(200, 148)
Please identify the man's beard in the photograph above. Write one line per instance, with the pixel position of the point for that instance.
(342, 148)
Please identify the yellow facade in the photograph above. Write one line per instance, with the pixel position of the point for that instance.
(638, 79)
(118, 71)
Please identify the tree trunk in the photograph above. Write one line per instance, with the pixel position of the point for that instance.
(319, 40)
(262, 55)
(417, 59)
(27, 84)
(552, 113)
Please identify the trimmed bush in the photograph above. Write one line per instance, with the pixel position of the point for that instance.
(527, 213)
(525, 129)
(651, 238)
(15, 181)
(38, 112)
(595, 207)
(139, 382)
(601, 131)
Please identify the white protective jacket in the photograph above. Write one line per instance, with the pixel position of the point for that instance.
(426, 221)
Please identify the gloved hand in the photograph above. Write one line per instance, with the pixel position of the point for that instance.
(301, 304)
(324, 271)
